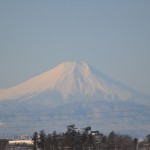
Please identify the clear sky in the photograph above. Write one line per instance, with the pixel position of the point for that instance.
(111, 35)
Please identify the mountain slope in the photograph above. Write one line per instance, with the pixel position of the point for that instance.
(70, 93)
(69, 78)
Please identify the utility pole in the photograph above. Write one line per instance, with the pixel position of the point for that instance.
(136, 143)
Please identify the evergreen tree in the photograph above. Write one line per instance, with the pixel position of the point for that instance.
(35, 141)
(42, 139)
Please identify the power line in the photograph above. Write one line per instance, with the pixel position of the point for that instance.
(101, 121)
(56, 121)
(80, 118)
(67, 114)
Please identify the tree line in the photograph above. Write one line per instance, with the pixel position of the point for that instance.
(73, 139)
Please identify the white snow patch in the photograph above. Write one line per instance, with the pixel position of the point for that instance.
(69, 78)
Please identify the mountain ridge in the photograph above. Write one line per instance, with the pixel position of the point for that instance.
(68, 78)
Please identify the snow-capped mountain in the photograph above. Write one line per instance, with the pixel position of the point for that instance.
(69, 78)
(71, 87)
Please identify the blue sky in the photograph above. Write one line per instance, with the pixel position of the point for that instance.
(113, 36)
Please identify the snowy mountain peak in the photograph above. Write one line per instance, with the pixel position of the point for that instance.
(68, 79)
(71, 88)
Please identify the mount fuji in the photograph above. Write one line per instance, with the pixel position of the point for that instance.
(73, 92)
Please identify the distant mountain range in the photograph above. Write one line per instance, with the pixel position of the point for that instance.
(73, 92)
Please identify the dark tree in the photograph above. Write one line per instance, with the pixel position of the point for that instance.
(70, 135)
(42, 137)
(54, 140)
(35, 140)
(148, 141)
(112, 140)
